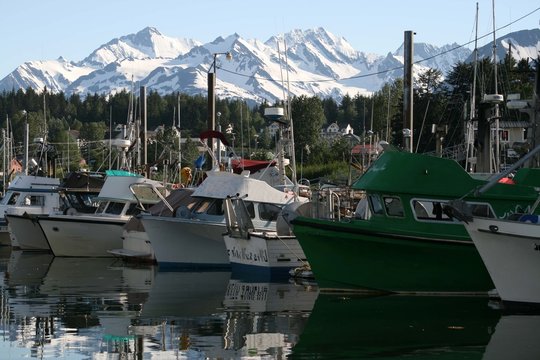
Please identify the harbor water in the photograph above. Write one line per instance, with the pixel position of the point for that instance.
(102, 308)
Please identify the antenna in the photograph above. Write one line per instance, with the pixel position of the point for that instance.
(179, 139)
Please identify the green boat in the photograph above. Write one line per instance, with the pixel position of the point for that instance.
(400, 239)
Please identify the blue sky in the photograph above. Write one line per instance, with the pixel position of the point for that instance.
(44, 30)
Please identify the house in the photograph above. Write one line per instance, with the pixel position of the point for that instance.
(332, 131)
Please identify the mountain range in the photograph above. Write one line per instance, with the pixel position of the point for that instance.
(300, 62)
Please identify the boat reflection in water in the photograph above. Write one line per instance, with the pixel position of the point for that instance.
(81, 307)
(419, 327)
(101, 308)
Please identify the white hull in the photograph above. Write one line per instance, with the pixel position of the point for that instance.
(83, 235)
(511, 252)
(265, 250)
(135, 247)
(186, 243)
(26, 233)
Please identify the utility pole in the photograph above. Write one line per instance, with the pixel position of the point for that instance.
(408, 92)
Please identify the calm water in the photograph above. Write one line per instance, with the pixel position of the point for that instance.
(103, 309)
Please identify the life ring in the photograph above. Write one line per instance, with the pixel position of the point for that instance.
(181, 212)
(529, 218)
(70, 211)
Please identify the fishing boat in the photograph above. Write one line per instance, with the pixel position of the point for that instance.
(258, 252)
(74, 195)
(27, 194)
(399, 239)
(194, 236)
(93, 234)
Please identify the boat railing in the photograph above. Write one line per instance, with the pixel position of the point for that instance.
(335, 203)
(456, 152)
(328, 204)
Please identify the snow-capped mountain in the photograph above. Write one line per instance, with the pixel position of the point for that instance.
(314, 61)
(521, 44)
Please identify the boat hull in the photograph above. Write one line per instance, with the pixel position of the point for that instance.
(136, 247)
(181, 243)
(264, 253)
(511, 251)
(27, 232)
(347, 256)
(84, 236)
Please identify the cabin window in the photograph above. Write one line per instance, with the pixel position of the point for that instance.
(250, 209)
(13, 199)
(216, 208)
(101, 207)
(34, 200)
(376, 205)
(133, 209)
(268, 212)
(429, 210)
(393, 206)
(114, 208)
(482, 210)
(362, 211)
(202, 206)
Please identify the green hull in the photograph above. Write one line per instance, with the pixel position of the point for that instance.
(419, 327)
(342, 256)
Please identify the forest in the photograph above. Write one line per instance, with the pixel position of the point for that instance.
(74, 126)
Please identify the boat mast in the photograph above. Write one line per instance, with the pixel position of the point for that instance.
(4, 157)
(472, 113)
(291, 127)
(44, 144)
(179, 144)
(496, 115)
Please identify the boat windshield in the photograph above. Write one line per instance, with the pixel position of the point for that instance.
(11, 199)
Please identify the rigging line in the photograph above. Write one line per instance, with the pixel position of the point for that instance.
(384, 71)
(481, 37)
(313, 81)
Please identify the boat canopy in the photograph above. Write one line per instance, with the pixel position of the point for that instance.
(223, 184)
(117, 188)
(426, 175)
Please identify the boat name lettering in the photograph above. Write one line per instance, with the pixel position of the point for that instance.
(256, 255)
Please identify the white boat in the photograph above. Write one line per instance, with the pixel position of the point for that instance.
(194, 237)
(510, 250)
(27, 194)
(76, 194)
(250, 251)
(94, 234)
